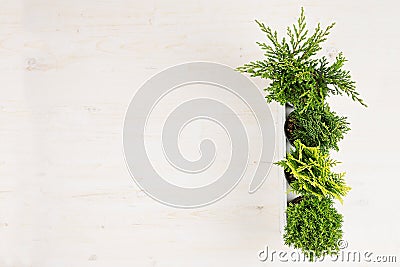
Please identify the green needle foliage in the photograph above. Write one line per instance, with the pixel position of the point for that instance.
(297, 77)
(311, 168)
(300, 77)
(318, 127)
(314, 226)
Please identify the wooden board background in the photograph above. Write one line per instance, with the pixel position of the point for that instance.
(68, 70)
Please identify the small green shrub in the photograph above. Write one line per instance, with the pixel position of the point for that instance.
(314, 226)
(311, 168)
(297, 77)
(301, 78)
(318, 127)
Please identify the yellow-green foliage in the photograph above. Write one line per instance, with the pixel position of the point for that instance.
(312, 169)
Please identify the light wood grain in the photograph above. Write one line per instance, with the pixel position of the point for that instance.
(68, 71)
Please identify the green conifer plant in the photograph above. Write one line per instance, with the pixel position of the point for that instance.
(314, 226)
(298, 77)
(316, 127)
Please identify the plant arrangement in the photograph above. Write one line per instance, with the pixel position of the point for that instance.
(314, 226)
(316, 127)
(301, 79)
(311, 168)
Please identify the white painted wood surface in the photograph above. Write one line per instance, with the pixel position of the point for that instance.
(68, 70)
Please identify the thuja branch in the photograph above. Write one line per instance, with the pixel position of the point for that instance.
(297, 76)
